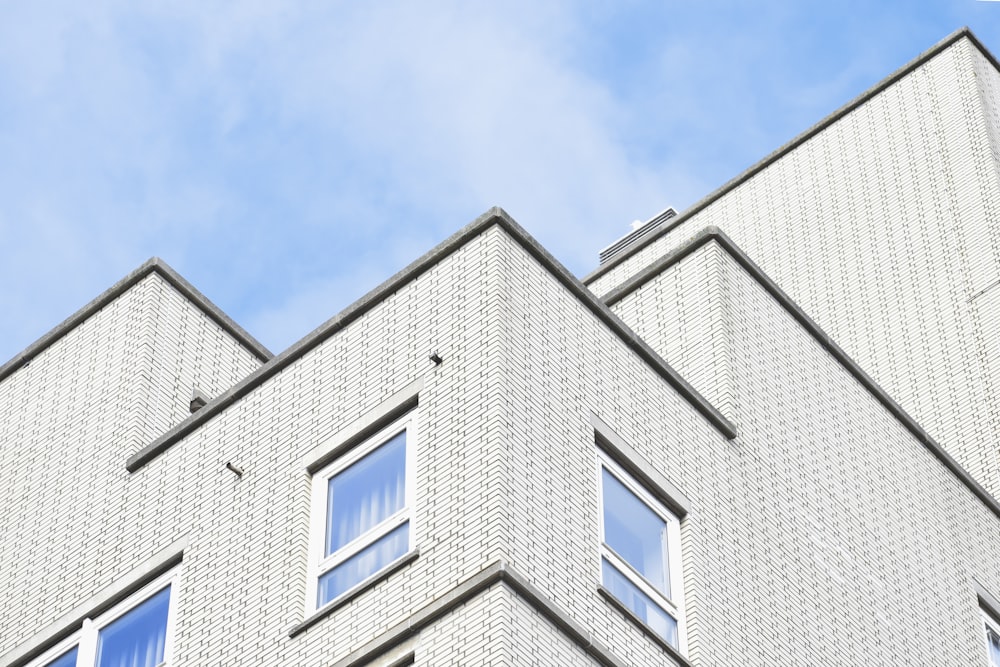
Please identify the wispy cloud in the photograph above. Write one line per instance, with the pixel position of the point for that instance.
(286, 156)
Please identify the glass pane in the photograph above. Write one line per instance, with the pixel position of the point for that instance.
(138, 638)
(366, 493)
(363, 564)
(993, 641)
(635, 533)
(65, 660)
(641, 605)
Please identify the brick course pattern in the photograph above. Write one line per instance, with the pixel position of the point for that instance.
(66, 420)
(824, 532)
(881, 225)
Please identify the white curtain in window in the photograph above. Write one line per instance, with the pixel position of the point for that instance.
(137, 639)
(363, 564)
(366, 493)
(641, 605)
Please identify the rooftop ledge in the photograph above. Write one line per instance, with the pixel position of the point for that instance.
(493, 217)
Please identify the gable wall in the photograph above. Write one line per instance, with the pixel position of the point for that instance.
(68, 419)
(800, 541)
(882, 228)
(825, 526)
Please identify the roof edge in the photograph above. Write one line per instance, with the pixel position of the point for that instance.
(494, 216)
(794, 143)
(215, 313)
(499, 572)
(152, 265)
(713, 233)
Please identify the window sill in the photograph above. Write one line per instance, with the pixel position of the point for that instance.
(352, 593)
(648, 631)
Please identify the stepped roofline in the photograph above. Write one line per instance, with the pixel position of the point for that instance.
(599, 307)
(683, 216)
(714, 234)
(494, 217)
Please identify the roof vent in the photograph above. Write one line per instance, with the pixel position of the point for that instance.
(198, 400)
(640, 231)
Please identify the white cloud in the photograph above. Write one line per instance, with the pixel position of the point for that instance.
(281, 154)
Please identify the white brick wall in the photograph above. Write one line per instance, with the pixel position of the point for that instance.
(684, 316)
(825, 521)
(801, 540)
(66, 422)
(245, 566)
(882, 227)
(822, 534)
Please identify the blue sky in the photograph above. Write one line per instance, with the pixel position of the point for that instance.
(286, 157)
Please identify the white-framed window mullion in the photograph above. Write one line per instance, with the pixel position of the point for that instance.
(86, 651)
(991, 629)
(322, 515)
(364, 540)
(86, 640)
(671, 602)
(640, 582)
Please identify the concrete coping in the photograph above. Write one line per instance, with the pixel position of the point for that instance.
(494, 217)
(497, 573)
(704, 202)
(152, 265)
(714, 234)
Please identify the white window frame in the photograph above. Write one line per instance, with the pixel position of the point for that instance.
(85, 640)
(672, 606)
(990, 625)
(320, 564)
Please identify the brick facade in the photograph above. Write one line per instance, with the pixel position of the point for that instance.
(820, 524)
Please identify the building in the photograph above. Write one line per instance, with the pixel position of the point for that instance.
(488, 462)
(882, 223)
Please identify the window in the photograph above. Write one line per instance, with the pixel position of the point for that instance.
(640, 563)
(992, 629)
(361, 511)
(134, 633)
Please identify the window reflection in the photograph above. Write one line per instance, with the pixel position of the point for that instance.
(366, 493)
(365, 563)
(137, 639)
(65, 660)
(635, 533)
